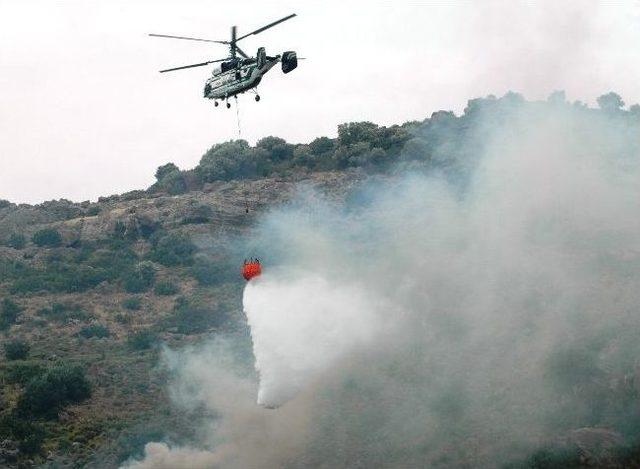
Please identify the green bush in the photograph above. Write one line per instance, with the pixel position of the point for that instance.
(172, 250)
(17, 241)
(140, 279)
(166, 288)
(45, 395)
(9, 311)
(22, 372)
(16, 350)
(29, 435)
(97, 331)
(132, 303)
(47, 237)
(142, 340)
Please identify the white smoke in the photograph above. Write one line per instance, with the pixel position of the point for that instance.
(301, 324)
(439, 327)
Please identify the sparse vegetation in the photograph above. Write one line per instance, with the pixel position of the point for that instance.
(166, 288)
(172, 250)
(191, 317)
(133, 303)
(62, 312)
(142, 340)
(140, 279)
(97, 331)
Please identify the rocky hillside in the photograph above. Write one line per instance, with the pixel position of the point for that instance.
(91, 291)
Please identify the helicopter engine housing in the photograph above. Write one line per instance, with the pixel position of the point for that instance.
(261, 57)
(289, 61)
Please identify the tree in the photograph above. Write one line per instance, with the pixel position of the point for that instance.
(357, 132)
(230, 160)
(277, 148)
(634, 109)
(322, 145)
(47, 237)
(164, 170)
(610, 102)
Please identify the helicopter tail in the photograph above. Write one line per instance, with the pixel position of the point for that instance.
(289, 61)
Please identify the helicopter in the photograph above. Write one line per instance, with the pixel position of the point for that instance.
(238, 72)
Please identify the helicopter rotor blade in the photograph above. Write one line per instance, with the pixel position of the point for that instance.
(241, 52)
(189, 38)
(193, 65)
(270, 25)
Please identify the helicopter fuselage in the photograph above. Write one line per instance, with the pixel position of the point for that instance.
(226, 83)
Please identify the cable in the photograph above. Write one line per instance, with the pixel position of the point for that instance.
(238, 117)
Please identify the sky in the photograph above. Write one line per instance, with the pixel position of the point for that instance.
(85, 113)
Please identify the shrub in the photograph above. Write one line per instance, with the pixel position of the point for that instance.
(47, 237)
(45, 395)
(142, 340)
(139, 279)
(209, 273)
(190, 318)
(173, 249)
(16, 350)
(132, 303)
(29, 435)
(94, 330)
(23, 372)
(9, 311)
(17, 241)
(166, 288)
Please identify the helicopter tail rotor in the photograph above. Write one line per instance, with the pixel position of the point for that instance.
(289, 61)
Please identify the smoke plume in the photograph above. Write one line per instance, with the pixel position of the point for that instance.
(436, 323)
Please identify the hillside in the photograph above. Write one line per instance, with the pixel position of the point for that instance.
(86, 300)
(91, 292)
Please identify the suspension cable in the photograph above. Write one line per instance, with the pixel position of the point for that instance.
(238, 117)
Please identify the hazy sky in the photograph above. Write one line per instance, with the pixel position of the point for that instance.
(84, 111)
